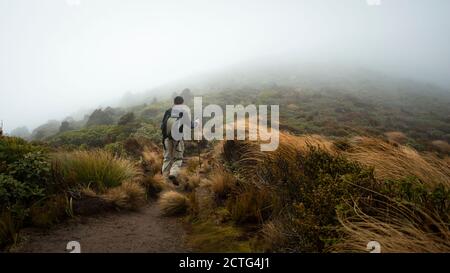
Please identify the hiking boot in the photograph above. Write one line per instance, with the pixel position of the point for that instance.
(174, 180)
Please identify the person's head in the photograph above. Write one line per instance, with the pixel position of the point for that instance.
(178, 100)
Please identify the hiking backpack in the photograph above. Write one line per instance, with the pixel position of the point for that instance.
(167, 124)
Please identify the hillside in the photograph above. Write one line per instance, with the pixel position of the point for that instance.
(315, 99)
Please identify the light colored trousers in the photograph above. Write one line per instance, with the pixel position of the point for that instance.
(173, 157)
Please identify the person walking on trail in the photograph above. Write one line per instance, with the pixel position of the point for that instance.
(174, 119)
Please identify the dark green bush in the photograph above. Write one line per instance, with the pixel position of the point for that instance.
(116, 149)
(311, 189)
(33, 169)
(93, 137)
(14, 148)
(14, 192)
(411, 191)
(127, 119)
(150, 132)
(100, 117)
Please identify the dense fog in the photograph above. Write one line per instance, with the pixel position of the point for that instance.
(58, 57)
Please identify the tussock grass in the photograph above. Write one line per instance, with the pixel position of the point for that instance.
(442, 146)
(251, 205)
(248, 157)
(192, 164)
(99, 169)
(173, 203)
(192, 182)
(339, 195)
(222, 183)
(272, 236)
(396, 161)
(154, 184)
(152, 161)
(129, 195)
(396, 137)
(401, 229)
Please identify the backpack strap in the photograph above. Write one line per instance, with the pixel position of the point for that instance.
(163, 125)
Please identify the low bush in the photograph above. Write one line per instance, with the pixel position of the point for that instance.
(34, 168)
(116, 149)
(15, 199)
(13, 149)
(92, 137)
(14, 193)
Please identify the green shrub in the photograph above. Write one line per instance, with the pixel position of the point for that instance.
(116, 149)
(150, 132)
(411, 191)
(15, 193)
(13, 149)
(94, 136)
(127, 119)
(15, 199)
(311, 188)
(100, 117)
(33, 168)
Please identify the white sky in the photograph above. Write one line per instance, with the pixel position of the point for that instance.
(57, 56)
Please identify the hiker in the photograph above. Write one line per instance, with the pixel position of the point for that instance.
(174, 148)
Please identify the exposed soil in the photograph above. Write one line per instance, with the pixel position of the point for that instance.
(142, 231)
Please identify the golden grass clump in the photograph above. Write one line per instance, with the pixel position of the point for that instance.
(272, 236)
(183, 176)
(99, 169)
(222, 183)
(152, 161)
(248, 157)
(396, 162)
(402, 229)
(192, 164)
(129, 195)
(251, 205)
(173, 203)
(192, 182)
(154, 184)
(396, 137)
(442, 146)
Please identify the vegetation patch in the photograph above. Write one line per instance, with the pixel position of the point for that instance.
(97, 169)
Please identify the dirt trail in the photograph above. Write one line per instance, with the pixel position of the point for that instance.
(142, 231)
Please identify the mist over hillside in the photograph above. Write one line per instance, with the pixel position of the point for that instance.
(314, 76)
(284, 75)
